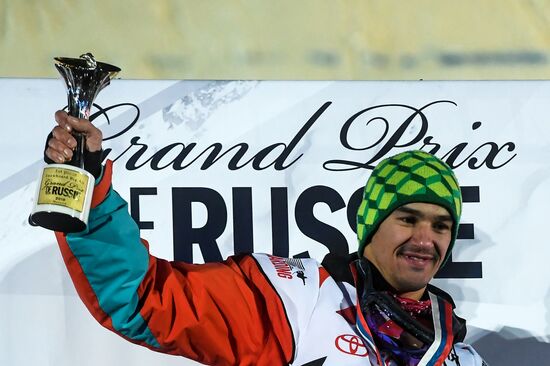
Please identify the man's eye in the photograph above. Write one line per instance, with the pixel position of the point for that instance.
(409, 219)
(441, 227)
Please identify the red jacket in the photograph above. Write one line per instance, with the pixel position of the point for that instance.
(248, 310)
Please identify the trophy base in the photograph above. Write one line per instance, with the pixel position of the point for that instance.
(64, 196)
(57, 221)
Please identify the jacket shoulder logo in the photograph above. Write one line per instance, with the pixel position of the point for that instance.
(287, 268)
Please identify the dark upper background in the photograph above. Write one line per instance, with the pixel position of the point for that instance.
(310, 39)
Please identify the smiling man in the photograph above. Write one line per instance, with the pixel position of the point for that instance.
(373, 307)
(409, 218)
(407, 224)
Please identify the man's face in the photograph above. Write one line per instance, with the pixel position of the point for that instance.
(409, 246)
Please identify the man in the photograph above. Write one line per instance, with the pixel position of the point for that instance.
(374, 307)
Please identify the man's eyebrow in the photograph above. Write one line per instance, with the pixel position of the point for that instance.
(418, 213)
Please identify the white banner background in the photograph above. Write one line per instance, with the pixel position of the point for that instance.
(42, 321)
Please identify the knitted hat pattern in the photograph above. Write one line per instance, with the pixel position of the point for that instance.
(408, 177)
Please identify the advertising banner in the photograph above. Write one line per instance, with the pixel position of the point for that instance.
(214, 168)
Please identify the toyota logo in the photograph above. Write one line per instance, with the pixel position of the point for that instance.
(352, 345)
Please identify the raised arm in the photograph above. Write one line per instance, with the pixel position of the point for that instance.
(218, 313)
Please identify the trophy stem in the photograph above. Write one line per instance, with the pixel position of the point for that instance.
(79, 151)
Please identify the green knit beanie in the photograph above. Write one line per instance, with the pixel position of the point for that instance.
(412, 176)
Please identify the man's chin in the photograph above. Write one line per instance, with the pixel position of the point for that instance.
(412, 282)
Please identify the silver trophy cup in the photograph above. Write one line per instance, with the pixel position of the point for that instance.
(64, 194)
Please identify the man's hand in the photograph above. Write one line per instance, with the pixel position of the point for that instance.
(61, 143)
(60, 146)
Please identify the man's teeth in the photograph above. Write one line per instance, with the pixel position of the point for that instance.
(416, 258)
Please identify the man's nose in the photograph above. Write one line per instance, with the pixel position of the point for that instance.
(423, 234)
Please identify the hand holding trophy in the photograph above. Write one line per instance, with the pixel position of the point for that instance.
(65, 189)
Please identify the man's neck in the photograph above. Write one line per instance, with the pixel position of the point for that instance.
(413, 295)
